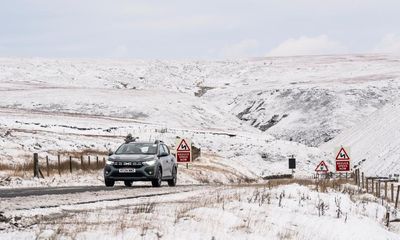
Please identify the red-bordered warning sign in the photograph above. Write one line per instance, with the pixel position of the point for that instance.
(342, 155)
(183, 146)
(183, 151)
(322, 167)
(342, 166)
(342, 159)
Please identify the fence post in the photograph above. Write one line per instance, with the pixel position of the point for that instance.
(363, 180)
(104, 161)
(378, 188)
(385, 190)
(81, 162)
(35, 165)
(392, 191)
(366, 184)
(89, 161)
(70, 164)
(97, 161)
(356, 177)
(373, 186)
(59, 164)
(47, 166)
(387, 219)
(397, 196)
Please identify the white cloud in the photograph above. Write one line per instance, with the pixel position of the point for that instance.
(319, 45)
(390, 43)
(244, 48)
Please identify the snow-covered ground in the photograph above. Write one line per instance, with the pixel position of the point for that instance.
(235, 212)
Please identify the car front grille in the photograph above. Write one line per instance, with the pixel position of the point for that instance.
(127, 164)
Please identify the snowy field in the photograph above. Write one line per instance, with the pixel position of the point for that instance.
(232, 212)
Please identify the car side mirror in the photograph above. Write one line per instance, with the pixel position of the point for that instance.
(110, 153)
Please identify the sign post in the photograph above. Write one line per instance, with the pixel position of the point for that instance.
(342, 160)
(183, 151)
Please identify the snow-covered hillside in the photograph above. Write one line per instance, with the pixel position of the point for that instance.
(376, 139)
(273, 107)
(306, 99)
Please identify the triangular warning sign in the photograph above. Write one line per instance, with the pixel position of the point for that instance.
(322, 167)
(342, 155)
(183, 146)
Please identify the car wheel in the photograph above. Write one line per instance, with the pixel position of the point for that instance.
(128, 183)
(109, 183)
(157, 182)
(172, 182)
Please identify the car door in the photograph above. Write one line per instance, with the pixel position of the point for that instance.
(164, 160)
(170, 159)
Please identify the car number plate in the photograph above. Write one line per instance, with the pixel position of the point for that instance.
(127, 170)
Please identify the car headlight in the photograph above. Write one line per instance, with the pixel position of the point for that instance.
(149, 163)
(109, 162)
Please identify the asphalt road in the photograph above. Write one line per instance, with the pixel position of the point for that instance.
(39, 191)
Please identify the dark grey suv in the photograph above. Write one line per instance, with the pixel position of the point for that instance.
(141, 161)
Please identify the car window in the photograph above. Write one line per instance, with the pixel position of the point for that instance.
(137, 148)
(166, 149)
(161, 149)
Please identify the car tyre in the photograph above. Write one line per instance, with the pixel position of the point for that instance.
(109, 183)
(172, 182)
(157, 182)
(128, 183)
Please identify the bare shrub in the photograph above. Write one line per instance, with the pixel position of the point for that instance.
(144, 208)
(338, 207)
(287, 234)
(321, 207)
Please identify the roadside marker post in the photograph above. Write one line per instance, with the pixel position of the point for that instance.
(35, 165)
(47, 166)
(70, 164)
(59, 164)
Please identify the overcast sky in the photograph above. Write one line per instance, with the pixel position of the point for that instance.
(206, 29)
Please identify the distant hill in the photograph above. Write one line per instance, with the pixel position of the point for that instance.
(376, 139)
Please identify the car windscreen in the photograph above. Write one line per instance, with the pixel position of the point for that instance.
(137, 148)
